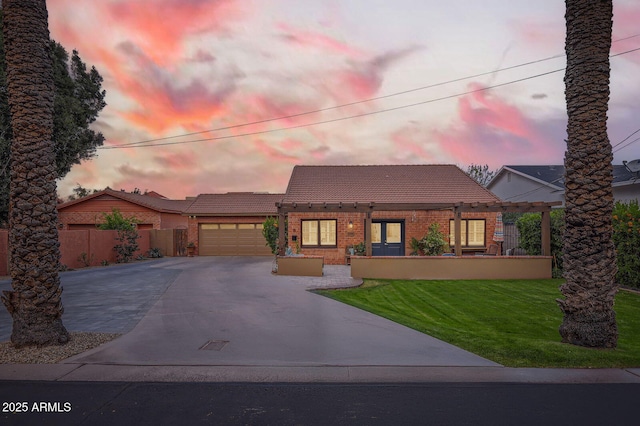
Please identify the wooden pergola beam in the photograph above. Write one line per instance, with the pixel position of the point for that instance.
(522, 207)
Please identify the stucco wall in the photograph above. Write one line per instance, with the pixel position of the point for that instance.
(97, 245)
(451, 267)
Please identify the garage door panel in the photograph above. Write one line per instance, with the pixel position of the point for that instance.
(232, 240)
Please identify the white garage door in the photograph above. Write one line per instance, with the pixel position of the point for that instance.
(232, 239)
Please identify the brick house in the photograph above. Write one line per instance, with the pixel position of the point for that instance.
(152, 210)
(347, 189)
(231, 224)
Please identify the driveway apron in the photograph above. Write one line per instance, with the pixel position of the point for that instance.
(232, 311)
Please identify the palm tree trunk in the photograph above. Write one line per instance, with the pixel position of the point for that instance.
(35, 303)
(589, 253)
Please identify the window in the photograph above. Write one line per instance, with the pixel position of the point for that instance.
(472, 231)
(319, 233)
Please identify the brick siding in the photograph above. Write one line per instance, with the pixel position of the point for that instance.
(416, 225)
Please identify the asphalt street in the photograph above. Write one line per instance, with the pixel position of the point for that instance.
(319, 404)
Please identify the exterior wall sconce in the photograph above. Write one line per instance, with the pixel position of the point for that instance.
(350, 226)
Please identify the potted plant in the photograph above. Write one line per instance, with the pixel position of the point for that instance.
(191, 249)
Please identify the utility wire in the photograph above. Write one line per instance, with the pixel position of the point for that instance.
(350, 117)
(132, 144)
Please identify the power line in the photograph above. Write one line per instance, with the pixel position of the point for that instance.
(316, 111)
(348, 117)
(133, 144)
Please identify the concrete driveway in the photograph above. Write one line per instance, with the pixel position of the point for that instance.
(262, 328)
(230, 311)
(230, 319)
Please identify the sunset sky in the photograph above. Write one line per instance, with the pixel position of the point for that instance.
(177, 67)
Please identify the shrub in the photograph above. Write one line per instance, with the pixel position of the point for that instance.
(127, 234)
(85, 260)
(271, 233)
(127, 245)
(434, 242)
(360, 249)
(530, 229)
(154, 253)
(626, 237)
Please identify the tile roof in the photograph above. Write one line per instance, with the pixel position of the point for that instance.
(235, 204)
(384, 184)
(153, 201)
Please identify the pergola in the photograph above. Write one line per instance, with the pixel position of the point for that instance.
(458, 208)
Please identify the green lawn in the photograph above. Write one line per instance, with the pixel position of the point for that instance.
(512, 322)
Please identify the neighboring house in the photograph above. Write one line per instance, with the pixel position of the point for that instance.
(152, 210)
(546, 183)
(231, 224)
(330, 233)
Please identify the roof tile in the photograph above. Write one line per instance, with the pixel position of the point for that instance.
(384, 184)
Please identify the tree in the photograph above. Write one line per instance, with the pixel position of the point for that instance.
(78, 100)
(80, 192)
(589, 254)
(35, 302)
(481, 174)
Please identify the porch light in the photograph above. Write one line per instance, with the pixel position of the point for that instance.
(350, 225)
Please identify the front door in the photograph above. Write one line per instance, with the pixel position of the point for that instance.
(387, 238)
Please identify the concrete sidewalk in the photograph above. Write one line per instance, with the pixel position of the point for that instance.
(231, 320)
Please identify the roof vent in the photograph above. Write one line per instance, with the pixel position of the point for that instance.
(632, 166)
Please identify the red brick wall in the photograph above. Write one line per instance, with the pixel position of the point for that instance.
(70, 218)
(416, 225)
(173, 221)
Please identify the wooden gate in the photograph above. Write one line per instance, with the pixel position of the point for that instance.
(180, 237)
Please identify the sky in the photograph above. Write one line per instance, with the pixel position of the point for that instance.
(234, 93)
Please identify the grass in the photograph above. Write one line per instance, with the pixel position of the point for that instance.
(511, 322)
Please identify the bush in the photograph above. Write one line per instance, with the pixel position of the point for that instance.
(154, 253)
(271, 233)
(360, 249)
(626, 237)
(530, 229)
(127, 234)
(433, 243)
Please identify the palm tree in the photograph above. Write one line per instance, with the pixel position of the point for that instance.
(34, 304)
(589, 254)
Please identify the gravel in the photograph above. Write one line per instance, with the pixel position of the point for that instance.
(78, 343)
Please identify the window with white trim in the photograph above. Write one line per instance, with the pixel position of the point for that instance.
(319, 233)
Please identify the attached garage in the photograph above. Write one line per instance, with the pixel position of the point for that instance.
(231, 224)
(232, 239)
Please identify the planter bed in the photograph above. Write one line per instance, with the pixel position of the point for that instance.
(308, 266)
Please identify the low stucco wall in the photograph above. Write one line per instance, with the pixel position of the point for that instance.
(451, 267)
(306, 266)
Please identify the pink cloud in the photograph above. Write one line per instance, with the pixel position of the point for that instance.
(625, 24)
(274, 154)
(309, 39)
(147, 22)
(409, 144)
(494, 132)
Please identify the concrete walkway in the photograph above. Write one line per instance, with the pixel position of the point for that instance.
(230, 319)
